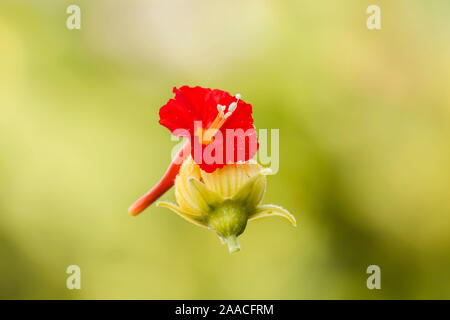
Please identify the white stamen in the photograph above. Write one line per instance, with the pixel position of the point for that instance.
(232, 107)
(221, 109)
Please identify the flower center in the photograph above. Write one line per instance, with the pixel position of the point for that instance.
(206, 136)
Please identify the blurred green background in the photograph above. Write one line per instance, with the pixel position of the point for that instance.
(364, 119)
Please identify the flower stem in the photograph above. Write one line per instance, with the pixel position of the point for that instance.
(233, 244)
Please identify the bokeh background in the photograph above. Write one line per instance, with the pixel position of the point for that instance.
(364, 119)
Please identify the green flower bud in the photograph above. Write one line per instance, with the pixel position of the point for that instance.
(223, 200)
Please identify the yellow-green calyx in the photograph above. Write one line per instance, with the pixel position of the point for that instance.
(223, 200)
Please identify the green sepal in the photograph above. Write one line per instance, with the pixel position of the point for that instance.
(252, 192)
(268, 210)
(183, 214)
(209, 199)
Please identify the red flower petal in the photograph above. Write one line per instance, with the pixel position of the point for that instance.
(200, 104)
(175, 115)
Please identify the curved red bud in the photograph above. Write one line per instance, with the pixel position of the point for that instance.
(164, 184)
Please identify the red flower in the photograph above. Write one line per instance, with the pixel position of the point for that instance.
(205, 115)
(220, 131)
